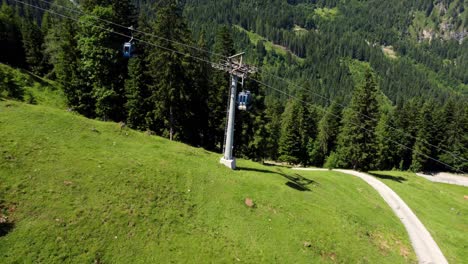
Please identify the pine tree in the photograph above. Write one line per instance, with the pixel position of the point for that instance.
(171, 83)
(137, 105)
(61, 48)
(405, 117)
(307, 127)
(386, 154)
(328, 130)
(201, 86)
(455, 140)
(357, 140)
(273, 112)
(290, 143)
(11, 45)
(97, 67)
(422, 151)
(33, 43)
(218, 93)
(251, 133)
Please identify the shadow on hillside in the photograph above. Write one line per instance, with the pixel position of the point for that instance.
(389, 177)
(6, 228)
(296, 182)
(275, 165)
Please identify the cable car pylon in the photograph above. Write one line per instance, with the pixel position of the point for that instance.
(237, 70)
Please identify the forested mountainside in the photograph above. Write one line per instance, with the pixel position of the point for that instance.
(363, 84)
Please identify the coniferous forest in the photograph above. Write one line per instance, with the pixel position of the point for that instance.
(350, 84)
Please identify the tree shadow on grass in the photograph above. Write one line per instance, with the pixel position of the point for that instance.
(389, 177)
(296, 182)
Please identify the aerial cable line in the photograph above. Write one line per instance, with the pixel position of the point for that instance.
(260, 70)
(401, 131)
(114, 32)
(325, 111)
(135, 30)
(253, 79)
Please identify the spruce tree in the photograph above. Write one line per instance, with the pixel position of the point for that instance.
(290, 143)
(218, 93)
(357, 140)
(97, 67)
(455, 140)
(33, 41)
(61, 48)
(328, 130)
(11, 45)
(273, 112)
(422, 150)
(137, 105)
(170, 85)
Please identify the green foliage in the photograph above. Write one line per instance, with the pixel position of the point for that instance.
(291, 149)
(217, 94)
(455, 138)
(326, 141)
(357, 140)
(11, 45)
(332, 161)
(172, 78)
(62, 52)
(96, 66)
(33, 44)
(137, 95)
(20, 85)
(422, 151)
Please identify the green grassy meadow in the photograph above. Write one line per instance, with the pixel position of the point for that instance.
(81, 191)
(440, 207)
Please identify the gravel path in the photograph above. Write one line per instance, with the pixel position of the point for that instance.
(424, 245)
(446, 178)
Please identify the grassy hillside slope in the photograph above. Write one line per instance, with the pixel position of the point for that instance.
(441, 208)
(30, 88)
(79, 190)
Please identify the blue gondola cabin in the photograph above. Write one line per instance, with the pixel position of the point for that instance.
(244, 101)
(128, 50)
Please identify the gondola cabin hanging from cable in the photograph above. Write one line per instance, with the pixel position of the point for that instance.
(129, 47)
(128, 50)
(244, 101)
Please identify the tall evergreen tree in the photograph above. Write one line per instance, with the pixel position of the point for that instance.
(455, 141)
(328, 130)
(422, 149)
(33, 44)
(404, 122)
(98, 60)
(218, 93)
(137, 105)
(357, 140)
(61, 48)
(171, 84)
(11, 45)
(290, 143)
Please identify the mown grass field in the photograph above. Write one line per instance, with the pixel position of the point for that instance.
(440, 207)
(79, 190)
